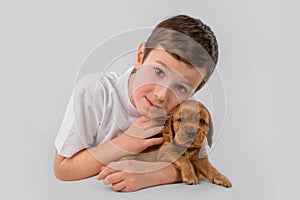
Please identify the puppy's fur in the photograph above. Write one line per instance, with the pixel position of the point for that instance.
(185, 132)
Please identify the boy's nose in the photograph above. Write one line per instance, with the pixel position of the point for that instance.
(161, 92)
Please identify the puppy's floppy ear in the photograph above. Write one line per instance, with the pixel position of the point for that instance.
(168, 130)
(209, 135)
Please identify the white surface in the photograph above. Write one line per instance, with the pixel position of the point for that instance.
(43, 44)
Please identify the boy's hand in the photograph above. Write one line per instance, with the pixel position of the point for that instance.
(134, 140)
(130, 175)
(145, 127)
(137, 137)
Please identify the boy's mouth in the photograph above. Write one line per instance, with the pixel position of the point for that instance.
(151, 104)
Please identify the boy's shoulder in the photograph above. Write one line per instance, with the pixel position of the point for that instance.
(111, 77)
(98, 79)
(101, 83)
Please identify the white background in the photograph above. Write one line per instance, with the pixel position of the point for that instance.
(43, 45)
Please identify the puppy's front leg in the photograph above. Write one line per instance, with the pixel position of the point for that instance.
(212, 174)
(186, 169)
(183, 164)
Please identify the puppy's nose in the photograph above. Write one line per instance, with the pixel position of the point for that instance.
(191, 134)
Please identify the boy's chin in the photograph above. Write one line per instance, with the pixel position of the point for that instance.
(155, 112)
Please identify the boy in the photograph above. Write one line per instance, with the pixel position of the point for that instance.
(112, 116)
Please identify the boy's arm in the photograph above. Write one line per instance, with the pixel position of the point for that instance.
(126, 180)
(121, 175)
(88, 162)
(79, 166)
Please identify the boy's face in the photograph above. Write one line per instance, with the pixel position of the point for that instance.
(161, 82)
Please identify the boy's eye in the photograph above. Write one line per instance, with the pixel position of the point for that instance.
(181, 88)
(159, 72)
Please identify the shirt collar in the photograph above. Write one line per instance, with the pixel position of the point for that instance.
(122, 109)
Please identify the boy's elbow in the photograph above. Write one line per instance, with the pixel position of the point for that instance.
(59, 174)
(60, 170)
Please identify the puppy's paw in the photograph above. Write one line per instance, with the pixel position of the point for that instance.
(189, 179)
(221, 180)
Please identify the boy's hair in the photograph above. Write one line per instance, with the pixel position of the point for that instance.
(188, 40)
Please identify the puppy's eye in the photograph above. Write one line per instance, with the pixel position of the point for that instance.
(181, 120)
(202, 121)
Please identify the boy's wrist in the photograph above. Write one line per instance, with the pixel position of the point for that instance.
(113, 151)
(119, 146)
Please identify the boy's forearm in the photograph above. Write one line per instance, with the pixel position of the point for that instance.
(165, 175)
(79, 166)
(108, 152)
(87, 162)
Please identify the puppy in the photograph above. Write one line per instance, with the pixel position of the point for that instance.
(187, 129)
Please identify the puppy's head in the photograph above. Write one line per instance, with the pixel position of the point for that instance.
(189, 125)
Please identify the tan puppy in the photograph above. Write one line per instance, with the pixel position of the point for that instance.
(185, 132)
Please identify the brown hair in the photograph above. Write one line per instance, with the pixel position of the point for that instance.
(188, 40)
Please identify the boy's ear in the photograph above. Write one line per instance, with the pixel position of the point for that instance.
(140, 55)
(200, 86)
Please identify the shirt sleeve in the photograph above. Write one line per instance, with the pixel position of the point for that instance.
(80, 122)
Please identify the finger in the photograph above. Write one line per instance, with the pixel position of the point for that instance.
(158, 121)
(105, 172)
(143, 133)
(114, 178)
(145, 123)
(141, 121)
(120, 186)
(154, 141)
(151, 131)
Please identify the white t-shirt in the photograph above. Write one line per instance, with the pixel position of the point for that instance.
(98, 110)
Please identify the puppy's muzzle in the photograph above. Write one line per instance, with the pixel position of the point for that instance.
(191, 134)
